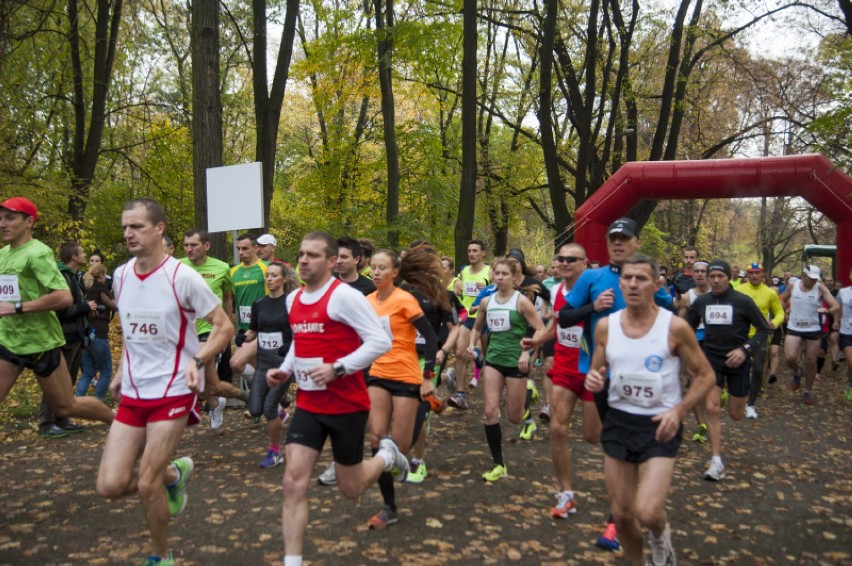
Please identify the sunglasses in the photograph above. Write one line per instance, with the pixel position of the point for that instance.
(569, 258)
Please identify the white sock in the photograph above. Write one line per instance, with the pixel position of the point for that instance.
(292, 561)
(385, 455)
(717, 460)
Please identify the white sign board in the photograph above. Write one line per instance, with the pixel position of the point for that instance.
(234, 197)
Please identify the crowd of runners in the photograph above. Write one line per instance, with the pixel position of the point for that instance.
(357, 346)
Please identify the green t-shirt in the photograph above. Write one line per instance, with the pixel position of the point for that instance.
(216, 274)
(29, 272)
(507, 326)
(249, 285)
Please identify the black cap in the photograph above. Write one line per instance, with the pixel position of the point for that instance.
(624, 226)
(719, 265)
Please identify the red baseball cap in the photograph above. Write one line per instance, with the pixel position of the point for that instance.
(21, 204)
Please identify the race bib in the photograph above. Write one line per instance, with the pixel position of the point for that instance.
(10, 292)
(569, 337)
(304, 382)
(498, 321)
(143, 326)
(470, 289)
(245, 315)
(719, 314)
(270, 340)
(418, 338)
(641, 389)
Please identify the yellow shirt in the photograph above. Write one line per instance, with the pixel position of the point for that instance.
(767, 301)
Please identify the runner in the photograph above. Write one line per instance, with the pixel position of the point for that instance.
(248, 279)
(346, 269)
(336, 334)
(474, 278)
(161, 373)
(270, 326)
(266, 246)
(803, 327)
(396, 383)
(217, 374)
(595, 295)
(844, 325)
(508, 314)
(640, 348)
(767, 301)
(727, 316)
(699, 274)
(567, 381)
(31, 290)
(684, 280)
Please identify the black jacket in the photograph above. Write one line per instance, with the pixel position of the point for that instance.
(74, 319)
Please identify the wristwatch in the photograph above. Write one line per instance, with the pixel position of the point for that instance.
(747, 348)
(199, 363)
(19, 308)
(339, 370)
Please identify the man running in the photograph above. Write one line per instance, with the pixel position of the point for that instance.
(474, 278)
(567, 381)
(348, 257)
(31, 291)
(727, 316)
(161, 372)
(769, 304)
(266, 246)
(699, 274)
(803, 327)
(248, 279)
(685, 280)
(636, 361)
(196, 245)
(336, 334)
(844, 325)
(595, 295)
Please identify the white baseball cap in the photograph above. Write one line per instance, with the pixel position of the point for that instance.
(267, 239)
(813, 272)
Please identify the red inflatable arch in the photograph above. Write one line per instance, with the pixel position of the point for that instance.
(811, 177)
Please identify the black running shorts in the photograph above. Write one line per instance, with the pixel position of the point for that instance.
(631, 438)
(43, 363)
(346, 432)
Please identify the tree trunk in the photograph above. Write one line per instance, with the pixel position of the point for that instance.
(87, 145)
(467, 191)
(267, 103)
(384, 30)
(207, 131)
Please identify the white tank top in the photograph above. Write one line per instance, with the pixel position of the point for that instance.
(158, 312)
(644, 378)
(844, 297)
(803, 309)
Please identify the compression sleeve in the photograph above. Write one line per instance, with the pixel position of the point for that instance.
(431, 347)
(569, 316)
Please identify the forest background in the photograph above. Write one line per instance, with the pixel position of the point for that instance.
(438, 119)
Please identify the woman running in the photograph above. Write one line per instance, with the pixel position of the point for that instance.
(508, 314)
(270, 326)
(396, 383)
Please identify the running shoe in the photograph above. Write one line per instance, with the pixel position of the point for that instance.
(662, 553)
(458, 401)
(750, 412)
(451, 381)
(528, 429)
(53, 431)
(418, 474)
(272, 459)
(565, 505)
(217, 415)
(609, 539)
(398, 466)
(329, 476)
(474, 381)
(169, 560)
(283, 414)
(383, 518)
(701, 435)
(176, 494)
(715, 472)
(849, 394)
(795, 383)
(724, 398)
(478, 360)
(436, 405)
(544, 414)
(72, 427)
(499, 471)
(772, 378)
(818, 377)
(807, 398)
(535, 396)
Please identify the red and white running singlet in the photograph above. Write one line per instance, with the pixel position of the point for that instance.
(158, 312)
(566, 349)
